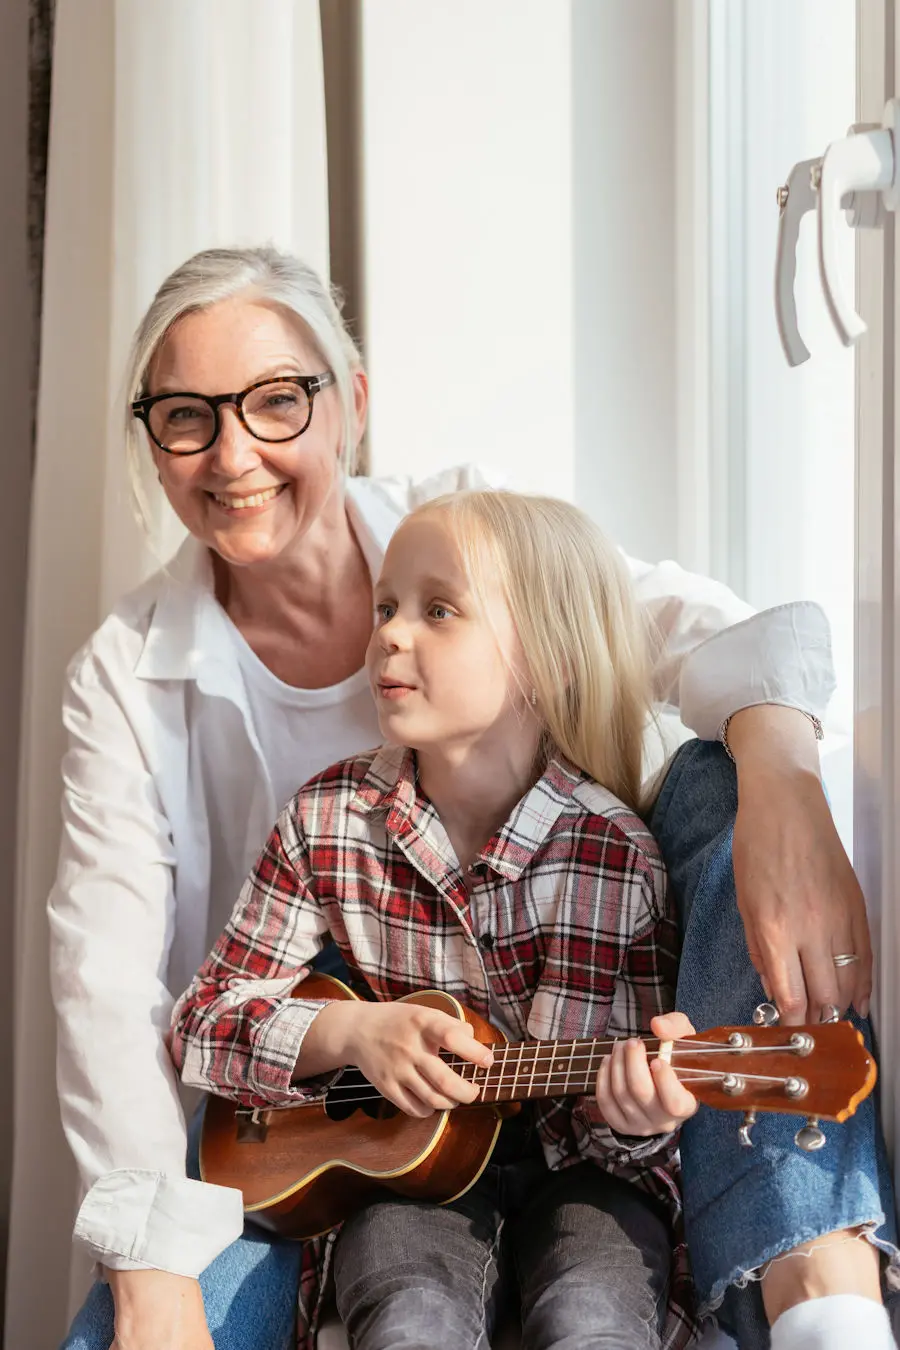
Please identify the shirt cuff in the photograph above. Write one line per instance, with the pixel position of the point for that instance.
(276, 1046)
(132, 1219)
(632, 1148)
(781, 655)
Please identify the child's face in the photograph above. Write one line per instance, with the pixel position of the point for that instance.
(440, 668)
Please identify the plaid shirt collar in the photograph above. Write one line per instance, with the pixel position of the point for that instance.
(391, 786)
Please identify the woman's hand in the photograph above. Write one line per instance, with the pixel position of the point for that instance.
(796, 890)
(155, 1308)
(396, 1045)
(641, 1096)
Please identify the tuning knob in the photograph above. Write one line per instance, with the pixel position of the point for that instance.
(810, 1138)
(766, 1015)
(744, 1131)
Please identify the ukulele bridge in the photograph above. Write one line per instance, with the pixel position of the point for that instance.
(251, 1126)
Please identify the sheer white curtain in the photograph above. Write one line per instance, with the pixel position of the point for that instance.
(174, 126)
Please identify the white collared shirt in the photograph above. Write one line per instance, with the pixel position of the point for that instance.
(168, 798)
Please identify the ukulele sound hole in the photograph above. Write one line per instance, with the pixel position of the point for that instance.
(353, 1092)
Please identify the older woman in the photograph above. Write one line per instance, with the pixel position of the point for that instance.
(235, 673)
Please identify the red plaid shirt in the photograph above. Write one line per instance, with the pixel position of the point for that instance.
(561, 929)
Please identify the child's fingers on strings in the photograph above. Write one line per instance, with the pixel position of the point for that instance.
(674, 1098)
(411, 1097)
(620, 1112)
(443, 1086)
(632, 1086)
(607, 1102)
(448, 1033)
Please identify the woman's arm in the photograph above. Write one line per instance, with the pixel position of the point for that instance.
(111, 917)
(798, 895)
(796, 889)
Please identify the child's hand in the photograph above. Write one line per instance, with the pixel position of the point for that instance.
(644, 1097)
(396, 1046)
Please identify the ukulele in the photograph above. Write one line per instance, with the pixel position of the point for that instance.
(304, 1168)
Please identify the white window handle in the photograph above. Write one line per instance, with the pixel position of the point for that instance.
(794, 200)
(861, 163)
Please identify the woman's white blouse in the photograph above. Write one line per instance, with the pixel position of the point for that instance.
(164, 762)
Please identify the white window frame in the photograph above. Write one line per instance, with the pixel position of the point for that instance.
(877, 682)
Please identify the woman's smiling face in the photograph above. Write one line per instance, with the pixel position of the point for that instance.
(250, 501)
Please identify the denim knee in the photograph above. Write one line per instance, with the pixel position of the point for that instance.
(560, 1317)
(404, 1312)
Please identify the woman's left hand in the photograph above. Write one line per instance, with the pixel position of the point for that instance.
(796, 890)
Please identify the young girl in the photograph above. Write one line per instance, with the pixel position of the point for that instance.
(490, 848)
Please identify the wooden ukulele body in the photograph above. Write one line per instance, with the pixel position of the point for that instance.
(302, 1171)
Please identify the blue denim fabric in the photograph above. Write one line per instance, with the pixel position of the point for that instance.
(249, 1291)
(744, 1206)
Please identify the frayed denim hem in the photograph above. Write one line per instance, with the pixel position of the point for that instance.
(740, 1279)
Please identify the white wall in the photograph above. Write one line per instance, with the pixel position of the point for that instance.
(467, 202)
(519, 248)
(623, 178)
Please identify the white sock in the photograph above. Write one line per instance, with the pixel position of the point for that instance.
(836, 1322)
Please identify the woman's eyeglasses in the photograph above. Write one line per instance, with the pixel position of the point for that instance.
(272, 410)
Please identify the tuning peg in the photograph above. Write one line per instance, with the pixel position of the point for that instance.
(766, 1015)
(745, 1128)
(810, 1138)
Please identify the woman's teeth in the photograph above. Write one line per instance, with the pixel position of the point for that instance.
(241, 503)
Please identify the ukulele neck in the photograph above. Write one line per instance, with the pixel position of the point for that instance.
(533, 1069)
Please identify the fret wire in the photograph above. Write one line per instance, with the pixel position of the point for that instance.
(515, 1082)
(534, 1063)
(508, 1047)
(550, 1070)
(572, 1058)
(496, 1049)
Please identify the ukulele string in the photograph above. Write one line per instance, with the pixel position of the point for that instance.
(558, 1061)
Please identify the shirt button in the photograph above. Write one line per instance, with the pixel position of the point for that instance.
(487, 941)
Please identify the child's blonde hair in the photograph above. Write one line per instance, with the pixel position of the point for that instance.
(572, 604)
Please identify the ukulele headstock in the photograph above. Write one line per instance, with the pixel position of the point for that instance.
(821, 1072)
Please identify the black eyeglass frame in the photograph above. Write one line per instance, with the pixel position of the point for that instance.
(310, 384)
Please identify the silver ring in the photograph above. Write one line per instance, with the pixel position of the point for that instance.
(844, 959)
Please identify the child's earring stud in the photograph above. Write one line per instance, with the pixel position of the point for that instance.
(534, 698)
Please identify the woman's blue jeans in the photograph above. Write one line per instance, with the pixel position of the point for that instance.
(742, 1206)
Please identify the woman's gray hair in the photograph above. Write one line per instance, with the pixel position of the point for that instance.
(218, 274)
